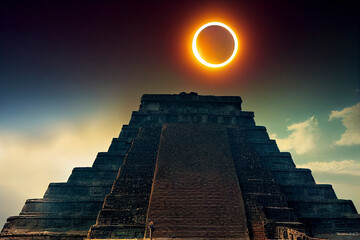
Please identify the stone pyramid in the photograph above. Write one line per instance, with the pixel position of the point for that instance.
(199, 168)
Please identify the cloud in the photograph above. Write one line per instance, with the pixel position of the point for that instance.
(303, 138)
(335, 167)
(351, 120)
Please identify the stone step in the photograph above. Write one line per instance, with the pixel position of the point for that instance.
(105, 159)
(127, 231)
(132, 186)
(201, 198)
(275, 154)
(66, 190)
(126, 201)
(141, 157)
(308, 192)
(282, 214)
(203, 214)
(268, 199)
(202, 234)
(27, 234)
(196, 205)
(128, 131)
(195, 191)
(212, 226)
(264, 146)
(137, 171)
(278, 163)
(143, 145)
(263, 186)
(52, 222)
(257, 133)
(331, 208)
(41, 206)
(106, 167)
(86, 174)
(113, 217)
(120, 144)
(324, 225)
(292, 177)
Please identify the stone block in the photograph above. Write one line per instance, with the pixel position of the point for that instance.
(85, 175)
(264, 146)
(108, 160)
(257, 133)
(308, 192)
(65, 190)
(324, 208)
(293, 177)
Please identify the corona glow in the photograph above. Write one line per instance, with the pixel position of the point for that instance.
(197, 54)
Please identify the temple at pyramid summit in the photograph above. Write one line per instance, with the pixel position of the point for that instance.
(197, 167)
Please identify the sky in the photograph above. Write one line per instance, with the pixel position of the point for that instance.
(71, 73)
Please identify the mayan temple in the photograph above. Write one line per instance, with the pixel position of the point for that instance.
(199, 168)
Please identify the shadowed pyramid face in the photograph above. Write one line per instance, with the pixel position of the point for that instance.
(196, 166)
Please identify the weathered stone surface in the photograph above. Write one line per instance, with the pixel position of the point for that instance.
(265, 205)
(195, 191)
(315, 205)
(124, 211)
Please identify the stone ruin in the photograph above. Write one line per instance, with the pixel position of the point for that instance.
(200, 168)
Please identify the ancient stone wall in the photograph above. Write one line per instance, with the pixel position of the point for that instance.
(275, 192)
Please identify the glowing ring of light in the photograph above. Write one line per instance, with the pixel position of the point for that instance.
(197, 54)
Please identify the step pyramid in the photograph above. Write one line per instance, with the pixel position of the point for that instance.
(199, 168)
